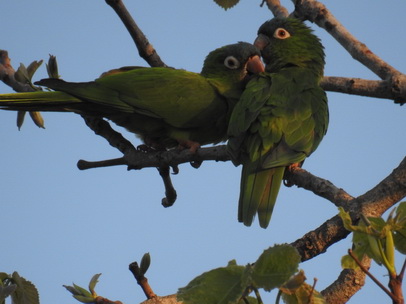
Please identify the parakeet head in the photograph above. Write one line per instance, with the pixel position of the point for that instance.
(231, 66)
(286, 42)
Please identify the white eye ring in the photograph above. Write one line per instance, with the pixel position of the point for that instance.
(281, 33)
(231, 62)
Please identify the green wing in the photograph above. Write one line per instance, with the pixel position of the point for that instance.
(163, 106)
(155, 92)
(280, 120)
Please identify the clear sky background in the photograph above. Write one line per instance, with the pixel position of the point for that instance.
(61, 225)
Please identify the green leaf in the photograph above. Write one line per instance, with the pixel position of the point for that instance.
(72, 290)
(83, 299)
(218, 286)
(401, 210)
(92, 284)
(275, 266)
(37, 119)
(82, 291)
(21, 75)
(25, 293)
(6, 291)
(400, 240)
(4, 276)
(399, 236)
(293, 283)
(364, 244)
(302, 296)
(347, 262)
(20, 119)
(52, 67)
(226, 4)
(32, 68)
(145, 262)
(346, 218)
(378, 225)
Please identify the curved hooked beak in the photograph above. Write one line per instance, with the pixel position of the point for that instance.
(255, 65)
(261, 42)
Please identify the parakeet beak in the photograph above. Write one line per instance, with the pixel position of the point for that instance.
(255, 65)
(261, 42)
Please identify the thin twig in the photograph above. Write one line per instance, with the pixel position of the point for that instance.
(402, 271)
(85, 165)
(141, 280)
(101, 300)
(258, 295)
(312, 291)
(170, 192)
(370, 275)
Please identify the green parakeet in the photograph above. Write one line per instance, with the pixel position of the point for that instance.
(281, 117)
(166, 107)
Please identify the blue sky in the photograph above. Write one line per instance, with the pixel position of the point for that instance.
(62, 225)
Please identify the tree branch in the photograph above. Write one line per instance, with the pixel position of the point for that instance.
(370, 275)
(361, 87)
(348, 283)
(318, 13)
(318, 186)
(373, 203)
(145, 49)
(276, 8)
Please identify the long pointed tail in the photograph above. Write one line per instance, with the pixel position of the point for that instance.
(39, 101)
(258, 194)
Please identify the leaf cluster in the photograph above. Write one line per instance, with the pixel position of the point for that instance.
(275, 268)
(83, 295)
(24, 75)
(376, 238)
(19, 289)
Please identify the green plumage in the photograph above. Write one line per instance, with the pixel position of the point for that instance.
(282, 115)
(164, 106)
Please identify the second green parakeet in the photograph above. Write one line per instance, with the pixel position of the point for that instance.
(166, 107)
(281, 117)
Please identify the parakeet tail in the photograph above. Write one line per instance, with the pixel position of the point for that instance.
(38, 101)
(258, 194)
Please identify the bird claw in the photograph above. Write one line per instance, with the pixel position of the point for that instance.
(193, 146)
(144, 148)
(196, 164)
(290, 168)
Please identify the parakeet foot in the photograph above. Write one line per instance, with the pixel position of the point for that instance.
(291, 168)
(145, 148)
(193, 146)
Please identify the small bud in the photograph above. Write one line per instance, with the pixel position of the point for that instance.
(52, 67)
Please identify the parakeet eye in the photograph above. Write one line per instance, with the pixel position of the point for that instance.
(231, 62)
(281, 33)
